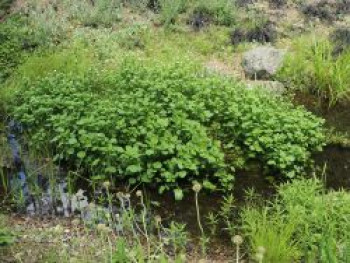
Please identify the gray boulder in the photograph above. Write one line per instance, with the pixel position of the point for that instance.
(262, 62)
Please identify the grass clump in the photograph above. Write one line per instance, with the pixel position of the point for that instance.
(95, 13)
(312, 67)
(170, 10)
(76, 59)
(326, 10)
(270, 236)
(221, 12)
(278, 3)
(304, 222)
(341, 39)
(55, 21)
(164, 125)
(258, 29)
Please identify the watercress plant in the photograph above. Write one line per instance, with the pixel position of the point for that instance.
(165, 125)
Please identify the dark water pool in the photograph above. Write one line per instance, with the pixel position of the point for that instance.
(336, 160)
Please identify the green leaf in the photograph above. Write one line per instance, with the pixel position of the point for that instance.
(132, 181)
(95, 162)
(178, 193)
(134, 168)
(208, 185)
(98, 177)
(111, 170)
(157, 165)
(72, 141)
(81, 155)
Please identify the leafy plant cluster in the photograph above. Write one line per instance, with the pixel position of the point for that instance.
(165, 125)
(313, 67)
(304, 222)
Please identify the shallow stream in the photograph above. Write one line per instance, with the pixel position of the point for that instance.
(56, 199)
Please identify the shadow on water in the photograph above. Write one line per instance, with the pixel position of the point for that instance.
(184, 211)
(337, 116)
(336, 159)
(337, 176)
(210, 202)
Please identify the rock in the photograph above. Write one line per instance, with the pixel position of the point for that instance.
(272, 87)
(262, 62)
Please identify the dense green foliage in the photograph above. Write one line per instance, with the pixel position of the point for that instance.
(165, 125)
(303, 222)
(313, 67)
(15, 39)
